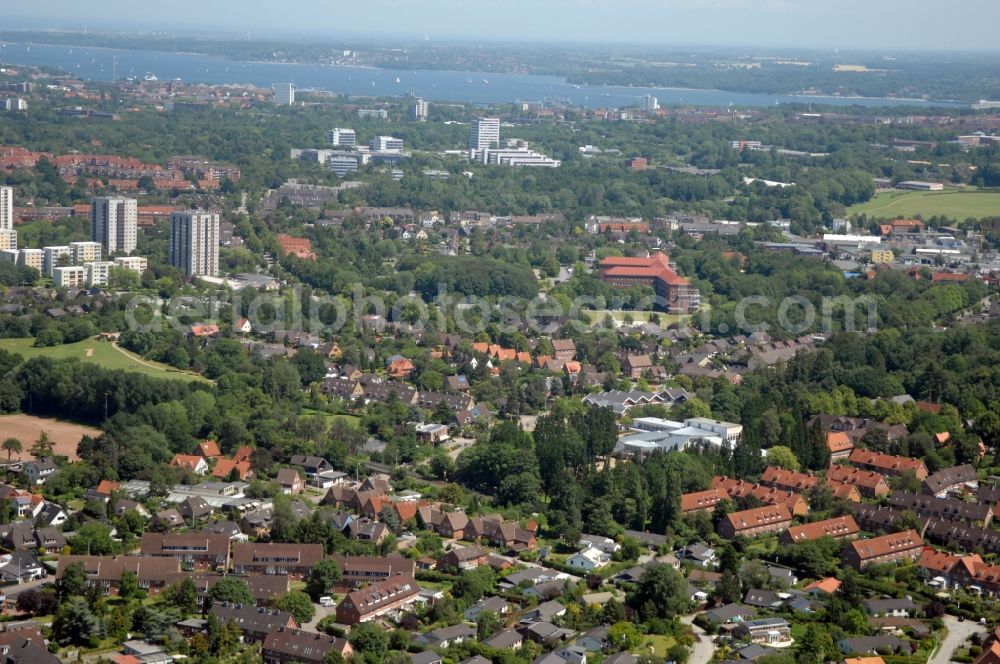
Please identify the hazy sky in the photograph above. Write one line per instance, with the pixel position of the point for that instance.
(849, 24)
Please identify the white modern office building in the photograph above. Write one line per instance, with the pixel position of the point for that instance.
(114, 222)
(342, 137)
(485, 134)
(386, 144)
(194, 242)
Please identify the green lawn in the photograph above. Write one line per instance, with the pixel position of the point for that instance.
(659, 643)
(98, 352)
(352, 420)
(958, 205)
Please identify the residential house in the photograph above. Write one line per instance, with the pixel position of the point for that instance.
(238, 468)
(168, 519)
(885, 549)
(312, 465)
(758, 521)
(698, 553)
(870, 484)
(932, 507)
(874, 644)
(445, 637)
(702, 501)
(293, 560)
(208, 449)
(40, 470)
(788, 480)
(390, 596)
(957, 478)
(764, 631)
(290, 482)
(356, 571)
(254, 623)
(841, 527)
(563, 349)
(193, 508)
(897, 608)
(294, 646)
(887, 463)
(194, 550)
(493, 604)
(196, 464)
(589, 559)
(464, 557)
(731, 613)
(105, 572)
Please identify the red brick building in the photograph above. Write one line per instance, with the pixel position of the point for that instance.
(677, 294)
(885, 549)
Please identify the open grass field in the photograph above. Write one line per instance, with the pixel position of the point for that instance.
(103, 353)
(26, 428)
(958, 205)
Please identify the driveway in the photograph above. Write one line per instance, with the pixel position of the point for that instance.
(703, 648)
(958, 634)
(321, 612)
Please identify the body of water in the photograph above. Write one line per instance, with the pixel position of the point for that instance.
(99, 64)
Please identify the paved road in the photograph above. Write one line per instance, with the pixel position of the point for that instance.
(958, 634)
(703, 648)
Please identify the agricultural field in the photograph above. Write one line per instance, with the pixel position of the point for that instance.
(958, 205)
(104, 353)
(27, 428)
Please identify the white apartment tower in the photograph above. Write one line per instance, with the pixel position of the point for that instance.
(419, 110)
(194, 242)
(284, 94)
(485, 134)
(342, 138)
(114, 223)
(649, 103)
(6, 208)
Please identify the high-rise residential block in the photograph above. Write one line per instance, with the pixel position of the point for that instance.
(6, 208)
(134, 263)
(114, 223)
(85, 252)
(58, 256)
(485, 134)
(284, 94)
(31, 258)
(194, 242)
(649, 103)
(98, 273)
(8, 240)
(419, 110)
(73, 276)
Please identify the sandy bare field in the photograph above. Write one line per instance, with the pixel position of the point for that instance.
(26, 428)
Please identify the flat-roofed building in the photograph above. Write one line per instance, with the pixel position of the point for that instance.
(8, 239)
(73, 276)
(85, 252)
(98, 273)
